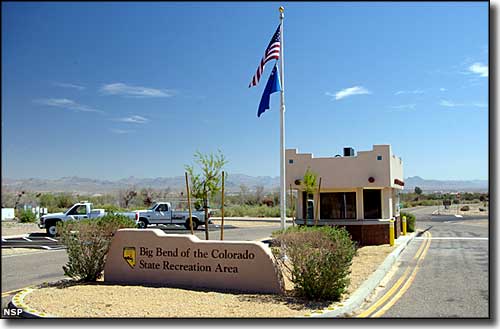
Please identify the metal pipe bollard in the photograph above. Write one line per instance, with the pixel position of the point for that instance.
(391, 232)
(404, 225)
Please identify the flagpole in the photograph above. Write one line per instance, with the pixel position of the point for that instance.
(282, 125)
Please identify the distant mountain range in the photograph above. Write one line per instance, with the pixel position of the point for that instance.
(431, 185)
(88, 185)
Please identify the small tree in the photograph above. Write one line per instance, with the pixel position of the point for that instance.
(126, 196)
(208, 182)
(418, 190)
(147, 196)
(259, 194)
(244, 191)
(19, 195)
(309, 183)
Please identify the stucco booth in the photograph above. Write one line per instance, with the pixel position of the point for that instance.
(358, 191)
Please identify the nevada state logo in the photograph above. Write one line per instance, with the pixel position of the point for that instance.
(129, 256)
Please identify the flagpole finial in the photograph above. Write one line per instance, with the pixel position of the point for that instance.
(281, 9)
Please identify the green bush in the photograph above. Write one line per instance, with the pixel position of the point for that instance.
(26, 216)
(410, 221)
(88, 242)
(317, 261)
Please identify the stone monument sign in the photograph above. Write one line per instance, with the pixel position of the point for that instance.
(150, 256)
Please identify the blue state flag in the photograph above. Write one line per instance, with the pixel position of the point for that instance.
(273, 85)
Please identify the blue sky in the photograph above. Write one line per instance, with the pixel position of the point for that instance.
(111, 90)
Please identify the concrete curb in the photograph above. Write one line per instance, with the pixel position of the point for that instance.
(27, 312)
(358, 297)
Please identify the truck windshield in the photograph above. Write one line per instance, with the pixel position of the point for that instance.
(153, 206)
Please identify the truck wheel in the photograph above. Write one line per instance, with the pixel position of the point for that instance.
(143, 223)
(195, 224)
(52, 229)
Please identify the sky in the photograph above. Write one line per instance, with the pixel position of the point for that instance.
(112, 90)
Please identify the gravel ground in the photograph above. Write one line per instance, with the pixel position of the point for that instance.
(100, 300)
(15, 228)
(474, 210)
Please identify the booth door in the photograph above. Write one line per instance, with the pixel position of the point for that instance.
(372, 204)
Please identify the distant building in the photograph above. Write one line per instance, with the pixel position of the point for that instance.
(356, 190)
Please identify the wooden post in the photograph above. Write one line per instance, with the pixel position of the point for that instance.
(189, 204)
(292, 206)
(317, 204)
(222, 210)
(205, 205)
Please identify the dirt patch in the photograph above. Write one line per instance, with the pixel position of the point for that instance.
(102, 300)
(15, 228)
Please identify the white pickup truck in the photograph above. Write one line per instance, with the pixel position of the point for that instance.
(78, 211)
(162, 213)
(159, 213)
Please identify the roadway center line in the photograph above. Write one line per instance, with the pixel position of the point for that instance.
(403, 279)
(407, 284)
(451, 238)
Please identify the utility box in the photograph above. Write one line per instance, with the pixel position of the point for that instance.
(8, 213)
(348, 152)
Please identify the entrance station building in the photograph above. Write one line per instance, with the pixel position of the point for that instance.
(358, 191)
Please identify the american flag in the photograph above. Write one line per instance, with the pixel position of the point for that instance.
(272, 52)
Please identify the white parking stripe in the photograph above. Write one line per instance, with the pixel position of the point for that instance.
(33, 253)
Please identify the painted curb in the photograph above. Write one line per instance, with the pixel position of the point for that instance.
(340, 310)
(28, 312)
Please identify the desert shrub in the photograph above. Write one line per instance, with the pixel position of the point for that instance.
(465, 208)
(111, 208)
(87, 243)
(251, 211)
(317, 261)
(64, 200)
(26, 216)
(410, 221)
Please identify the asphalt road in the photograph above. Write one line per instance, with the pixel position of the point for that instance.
(450, 281)
(32, 268)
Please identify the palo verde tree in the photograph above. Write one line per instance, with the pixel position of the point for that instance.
(309, 184)
(205, 184)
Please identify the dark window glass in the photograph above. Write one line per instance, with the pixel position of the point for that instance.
(372, 204)
(307, 206)
(338, 205)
